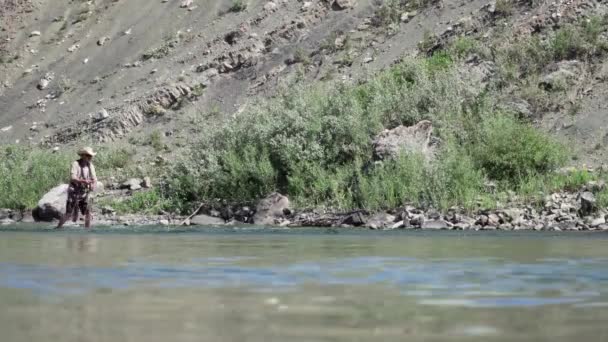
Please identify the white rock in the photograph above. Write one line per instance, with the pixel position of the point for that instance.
(73, 48)
(270, 6)
(43, 84)
(6, 129)
(35, 34)
(186, 3)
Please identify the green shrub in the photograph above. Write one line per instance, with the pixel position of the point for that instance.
(155, 139)
(504, 7)
(142, 202)
(238, 6)
(507, 149)
(464, 46)
(26, 175)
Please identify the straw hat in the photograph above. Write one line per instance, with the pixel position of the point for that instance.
(86, 151)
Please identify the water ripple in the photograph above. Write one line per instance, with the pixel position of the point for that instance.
(463, 282)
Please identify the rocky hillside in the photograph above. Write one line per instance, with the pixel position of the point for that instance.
(110, 70)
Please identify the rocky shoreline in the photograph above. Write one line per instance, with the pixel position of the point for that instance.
(563, 211)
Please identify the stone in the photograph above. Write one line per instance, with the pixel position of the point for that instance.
(146, 183)
(597, 222)
(163, 222)
(398, 225)
(73, 48)
(243, 214)
(587, 203)
(413, 139)
(406, 16)
(417, 220)
(436, 224)
(101, 115)
(43, 84)
(206, 220)
(270, 6)
(562, 75)
(132, 184)
(34, 34)
(52, 205)
(380, 220)
(513, 214)
(355, 219)
(5, 213)
(493, 220)
(343, 4)
(273, 206)
(102, 40)
(6, 222)
(107, 210)
(186, 3)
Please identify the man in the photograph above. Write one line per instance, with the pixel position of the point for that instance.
(82, 181)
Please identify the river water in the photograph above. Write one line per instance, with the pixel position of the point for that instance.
(301, 285)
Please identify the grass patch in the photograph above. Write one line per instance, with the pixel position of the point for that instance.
(142, 202)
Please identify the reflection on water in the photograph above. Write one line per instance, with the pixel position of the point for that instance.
(273, 287)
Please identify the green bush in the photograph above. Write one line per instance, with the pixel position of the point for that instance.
(26, 175)
(238, 6)
(142, 202)
(507, 149)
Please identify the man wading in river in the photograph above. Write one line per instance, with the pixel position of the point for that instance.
(82, 181)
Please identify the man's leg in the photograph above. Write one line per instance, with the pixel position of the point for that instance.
(68, 212)
(87, 219)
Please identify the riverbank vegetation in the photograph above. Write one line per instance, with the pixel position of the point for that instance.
(314, 143)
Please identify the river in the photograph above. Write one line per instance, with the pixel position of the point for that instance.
(246, 284)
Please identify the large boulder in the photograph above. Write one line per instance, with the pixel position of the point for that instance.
(270, 208)
(587, 202)
(562, 75)
(5, 214)
(413, 139)
(52, 205)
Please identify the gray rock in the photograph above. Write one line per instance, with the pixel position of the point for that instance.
(146, 183)
(272, 207)
(380, 220)
(562, 75)
(5, 213)
(101, 115)
(355, 219)
(107, 210)
(52, 205)
(102, 41)
(513, 214)
(597, 222)
(132, 184)
(6, 222)
(493, 220)
(436, 224)
(205, 220)
(343, 4)
(43, 84)
(413, 139)
(270, 6)
(587, 203)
